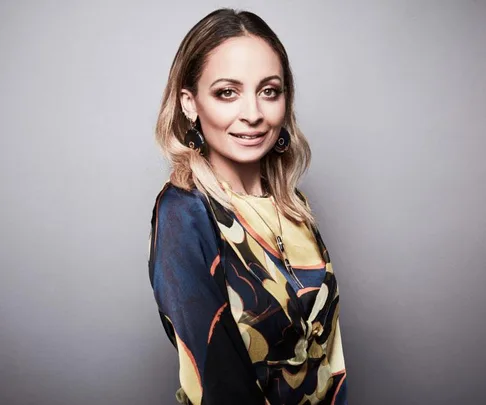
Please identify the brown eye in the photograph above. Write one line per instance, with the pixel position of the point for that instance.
(225, 93)
(271, 92)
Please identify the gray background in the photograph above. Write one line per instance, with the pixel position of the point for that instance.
(392, 97)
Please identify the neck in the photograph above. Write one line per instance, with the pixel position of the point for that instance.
(244, 178)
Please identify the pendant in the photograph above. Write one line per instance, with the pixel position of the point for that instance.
(286, 261)
(292, 273)
(288, 266)
(280, 244)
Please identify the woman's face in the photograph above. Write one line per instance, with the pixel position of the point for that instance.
(240, 100)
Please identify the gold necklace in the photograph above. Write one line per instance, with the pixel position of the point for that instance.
(265, 194)
(279, 241)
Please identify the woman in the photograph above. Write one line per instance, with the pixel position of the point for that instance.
(242, 279)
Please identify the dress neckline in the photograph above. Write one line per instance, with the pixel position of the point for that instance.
(252, 197)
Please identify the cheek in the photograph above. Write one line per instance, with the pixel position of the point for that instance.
(274, 112)
(216, 114)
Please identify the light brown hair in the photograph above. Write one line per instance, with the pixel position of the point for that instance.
(189, 168)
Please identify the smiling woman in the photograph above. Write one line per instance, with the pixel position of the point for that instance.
(248, 111)
(243, 281)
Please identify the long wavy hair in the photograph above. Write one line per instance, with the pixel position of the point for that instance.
(281, 173)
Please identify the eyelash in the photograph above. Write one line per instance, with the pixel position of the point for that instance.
(277, 91)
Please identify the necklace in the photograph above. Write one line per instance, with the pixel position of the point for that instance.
(226, 186)
(266, 194)
(279, 241)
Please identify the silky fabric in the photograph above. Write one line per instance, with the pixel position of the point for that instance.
(245, 331)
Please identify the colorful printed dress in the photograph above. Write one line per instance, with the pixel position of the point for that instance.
(245, 331)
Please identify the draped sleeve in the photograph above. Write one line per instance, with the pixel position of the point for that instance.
(186, 274)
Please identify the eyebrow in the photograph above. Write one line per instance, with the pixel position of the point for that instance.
(234, 81)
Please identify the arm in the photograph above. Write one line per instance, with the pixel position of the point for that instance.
(184, 262)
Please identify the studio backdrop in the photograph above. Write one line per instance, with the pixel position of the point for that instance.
(392, 98)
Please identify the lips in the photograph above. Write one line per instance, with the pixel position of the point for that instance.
(249, 139)
(248, 135)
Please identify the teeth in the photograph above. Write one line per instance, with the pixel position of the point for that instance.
(247, 136)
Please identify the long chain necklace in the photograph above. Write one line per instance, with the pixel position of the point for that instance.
(265, 194)
(279, 241)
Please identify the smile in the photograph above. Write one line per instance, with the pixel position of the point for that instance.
(249, 135)
(249, 139)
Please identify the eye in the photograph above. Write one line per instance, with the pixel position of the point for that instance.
(271, 92)
(225, 93)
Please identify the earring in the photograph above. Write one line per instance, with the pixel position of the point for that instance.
(194, 137)
(283, 141)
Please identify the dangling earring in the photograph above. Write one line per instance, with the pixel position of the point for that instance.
(283, 141)
(194, 137)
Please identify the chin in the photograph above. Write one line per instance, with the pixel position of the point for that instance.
(247, 157)
(240, 154)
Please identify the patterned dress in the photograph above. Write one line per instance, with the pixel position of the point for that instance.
(245, 331)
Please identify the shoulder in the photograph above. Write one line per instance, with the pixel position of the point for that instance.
(179, 199)
(179, 206)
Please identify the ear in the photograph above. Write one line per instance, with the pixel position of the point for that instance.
(188, 104)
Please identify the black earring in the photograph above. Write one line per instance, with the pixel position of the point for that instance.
(194, 138)
(283, 141)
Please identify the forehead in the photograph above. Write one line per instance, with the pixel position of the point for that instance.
(245, 58)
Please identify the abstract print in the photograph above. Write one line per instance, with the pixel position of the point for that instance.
(244, 331)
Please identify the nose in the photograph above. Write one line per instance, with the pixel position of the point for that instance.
(250, 111)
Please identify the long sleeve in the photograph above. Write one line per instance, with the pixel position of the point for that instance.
(184, 263)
